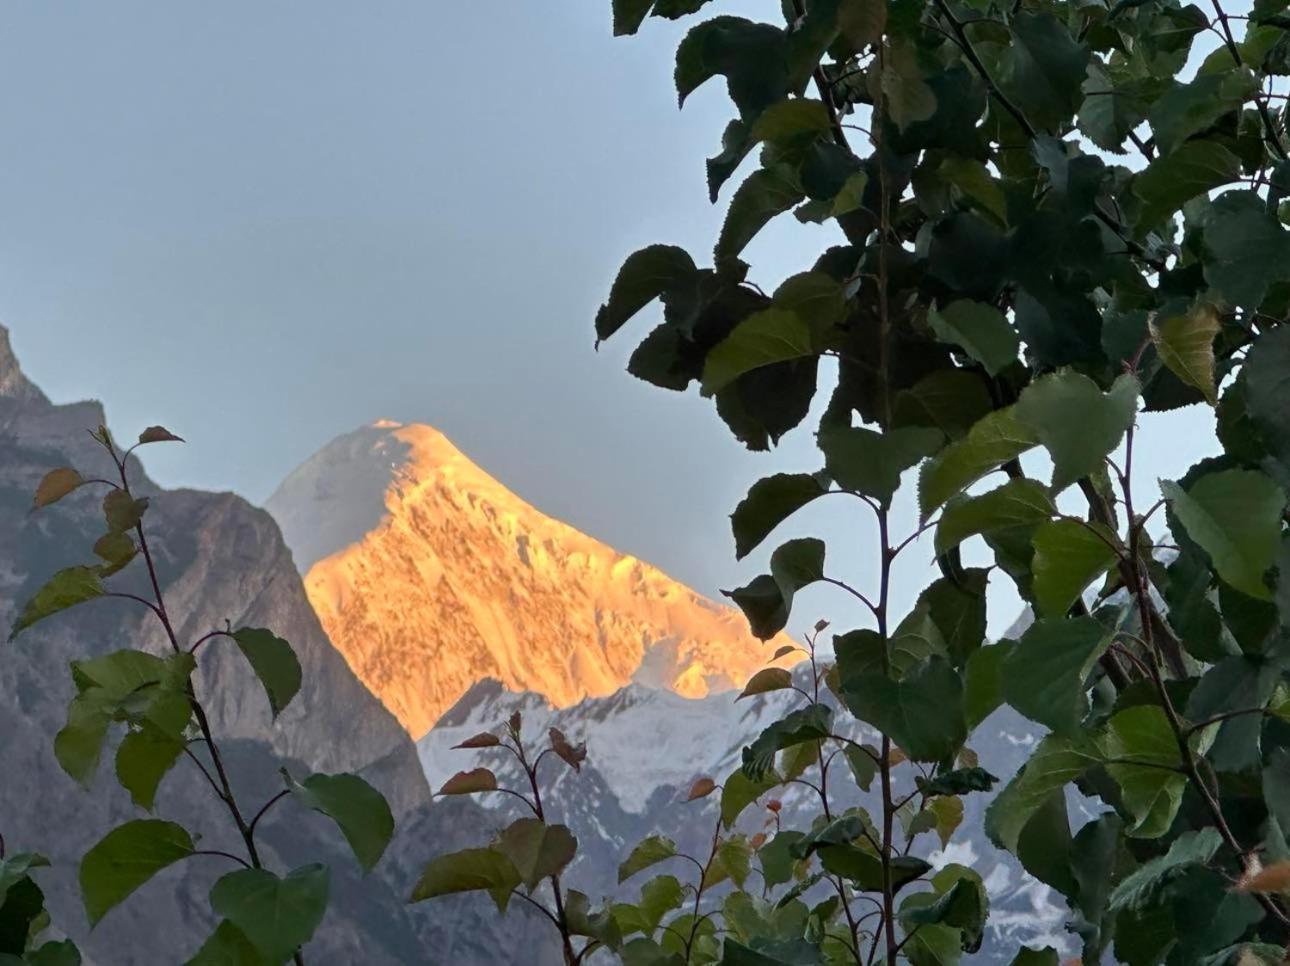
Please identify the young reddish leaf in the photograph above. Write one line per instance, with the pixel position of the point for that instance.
(485, 739)
(158, 434)
(470, 782)
(56, 484)
(573, 754)
(1273, 878)
(767, 679)
(821, 625)
(702, 788)
(514, 723)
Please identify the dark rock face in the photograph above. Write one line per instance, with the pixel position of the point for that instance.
(219, 559)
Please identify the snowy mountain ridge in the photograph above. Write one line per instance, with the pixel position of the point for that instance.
(429, 575)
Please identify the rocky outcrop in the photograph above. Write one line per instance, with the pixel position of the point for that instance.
(429, 575)
(219, 559)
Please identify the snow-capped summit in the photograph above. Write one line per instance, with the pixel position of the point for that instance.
(429, 576)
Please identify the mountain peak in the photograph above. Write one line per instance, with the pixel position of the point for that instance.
(14, 384)
(429, 575)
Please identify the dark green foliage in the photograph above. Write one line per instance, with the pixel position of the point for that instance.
(1006, 292)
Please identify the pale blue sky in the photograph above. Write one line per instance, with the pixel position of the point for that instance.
(264, 224)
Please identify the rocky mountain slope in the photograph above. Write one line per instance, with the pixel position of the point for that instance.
(429, 575)
(219, 559)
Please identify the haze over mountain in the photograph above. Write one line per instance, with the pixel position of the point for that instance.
(429, 576)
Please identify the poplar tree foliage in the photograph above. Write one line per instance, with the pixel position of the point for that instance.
(1003, 285)
(144, 709)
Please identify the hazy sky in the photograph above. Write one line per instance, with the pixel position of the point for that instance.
(264, 224)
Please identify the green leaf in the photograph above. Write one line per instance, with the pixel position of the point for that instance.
(1173, 179)
(958, 609)
(55, 485)
(983, 682)
(732, 860)
(143, 758)
(1055, 762)
(765, 680)
(277, 915)
(864, 869)
(906, 96)
(643, 951)
(765, 193)
(1017, 505)
(1185, 342)
(629, 15)
(1069, 555)
(791, 121)
(1044, 677)
(126, 858)
(951, 400)
(1044, 69)
(360, 811)
(739, 791)
(62, 953)
(1266, 375)
(67, 588)
(978, 329)
(1077, 423)
(960, 781)
(537, 850)
(806, 724)
(645, 275)
(751, 56)
(862, 22)
(1112, 109)
(1246, 249)
(994, 440)
(1188, 109)
(764, 338)
(871, 463)
(1235, 516)
(1143, 758)
(116, 550)
(1139, 888)
(596, 925)
(227, 946)
(922, 712)
(16, 867)
(963, 906)
(470, 870)
(122, 511)
(648, 852)
(274, 663)
(659, 896)
(769, 503)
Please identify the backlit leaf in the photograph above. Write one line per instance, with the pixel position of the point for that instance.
(56, 484)
(1185, 342)
(470, 782)
(67, 588)
(767, 679)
